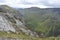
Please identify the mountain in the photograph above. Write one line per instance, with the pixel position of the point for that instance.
(12, 23)
(30, 23)
(45, 21)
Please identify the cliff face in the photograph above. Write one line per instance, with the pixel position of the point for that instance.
(5, 25)
(11, 21)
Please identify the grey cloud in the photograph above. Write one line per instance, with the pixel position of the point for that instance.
(39, 2)
(1, 1)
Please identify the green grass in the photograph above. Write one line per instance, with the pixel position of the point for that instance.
(14, 35)
(23, 36)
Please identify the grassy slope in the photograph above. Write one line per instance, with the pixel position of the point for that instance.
(39, 19)
(22, 36)
(25, 37)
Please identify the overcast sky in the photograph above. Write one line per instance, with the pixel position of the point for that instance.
(31, 3)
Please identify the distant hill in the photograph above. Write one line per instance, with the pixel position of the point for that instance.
(44, 21)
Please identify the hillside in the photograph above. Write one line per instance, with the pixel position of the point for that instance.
(29, 24)
(43, 21)
(12, 24)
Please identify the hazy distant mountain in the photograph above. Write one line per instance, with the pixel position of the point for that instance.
(43, 21)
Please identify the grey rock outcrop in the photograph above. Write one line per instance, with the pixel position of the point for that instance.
(12, 21)
(5, 25)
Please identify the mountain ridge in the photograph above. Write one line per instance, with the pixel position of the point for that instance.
(38, 19)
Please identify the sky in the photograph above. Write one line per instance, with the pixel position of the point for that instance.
(31, 3)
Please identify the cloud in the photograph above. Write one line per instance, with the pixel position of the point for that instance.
(31, 3)
(27, 6)
(53, 3)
